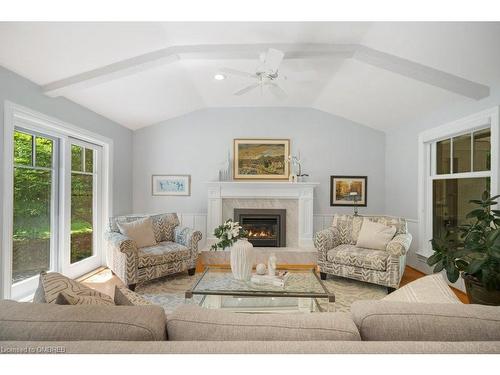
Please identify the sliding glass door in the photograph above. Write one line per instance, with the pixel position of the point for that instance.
(57, 207)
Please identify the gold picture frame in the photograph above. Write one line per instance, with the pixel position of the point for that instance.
(261, 159)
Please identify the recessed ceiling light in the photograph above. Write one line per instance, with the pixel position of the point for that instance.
(219, 77)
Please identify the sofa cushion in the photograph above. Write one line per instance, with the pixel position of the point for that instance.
(50, 322)
(164, 252)
(126, 297)
(428, 289)
(375, 235)
(140, 231)
(350, 255)
(194, 323)
(52, 283)
(403, 321)
(70, 299)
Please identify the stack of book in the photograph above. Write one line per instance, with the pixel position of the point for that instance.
(278, 280)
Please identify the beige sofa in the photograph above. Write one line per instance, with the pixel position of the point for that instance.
(372, 327)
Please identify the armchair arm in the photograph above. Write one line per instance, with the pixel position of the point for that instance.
(399, 245)
(121, 242)
(187, 237)
(326, 240)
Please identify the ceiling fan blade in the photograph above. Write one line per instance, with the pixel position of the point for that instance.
(273, 60)
(236, 72)
(277, 91)
(247, 89)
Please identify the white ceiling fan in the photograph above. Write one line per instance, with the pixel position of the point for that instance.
(267, 74)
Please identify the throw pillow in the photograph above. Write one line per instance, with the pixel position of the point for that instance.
(428, 289)
(72, 299)
(126, 297)
(140, 231)
(53, 283)
(374, 235)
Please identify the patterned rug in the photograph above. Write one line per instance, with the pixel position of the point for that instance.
(168, 291)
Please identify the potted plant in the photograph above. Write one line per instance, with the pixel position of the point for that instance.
(234, 237)
(473, 250)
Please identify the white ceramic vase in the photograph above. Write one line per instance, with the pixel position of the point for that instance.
(242, 259)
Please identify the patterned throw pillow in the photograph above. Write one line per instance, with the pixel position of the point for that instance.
(71, 299)
(53, 283)
(125, 297)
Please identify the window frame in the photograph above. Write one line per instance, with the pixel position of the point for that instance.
(427, 165)
(16, 116)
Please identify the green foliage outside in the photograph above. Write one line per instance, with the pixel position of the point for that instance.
(32, 192)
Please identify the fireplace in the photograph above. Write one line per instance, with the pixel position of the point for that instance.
(265, 227)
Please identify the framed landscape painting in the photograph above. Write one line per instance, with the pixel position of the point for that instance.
(348, 191)
(171, 184)
(261, 159)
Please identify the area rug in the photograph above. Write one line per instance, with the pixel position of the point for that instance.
(168, 291)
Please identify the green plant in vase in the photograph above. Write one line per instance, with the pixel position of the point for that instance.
(473, 250)
(228, 233)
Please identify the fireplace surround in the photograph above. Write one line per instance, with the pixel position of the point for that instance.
(265, 227)
(300, 192)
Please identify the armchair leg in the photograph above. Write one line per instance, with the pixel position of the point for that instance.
(132, 287)
(322, 275)
(191, 271)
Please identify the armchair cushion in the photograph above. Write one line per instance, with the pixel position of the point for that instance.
(141, 231)
(350, 255)
(163, 224)
(399, 245)
(164, 252)
(375, 235)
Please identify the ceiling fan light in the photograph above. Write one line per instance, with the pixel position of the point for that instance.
(219, 77)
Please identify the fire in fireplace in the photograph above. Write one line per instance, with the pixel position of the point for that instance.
(265, 227)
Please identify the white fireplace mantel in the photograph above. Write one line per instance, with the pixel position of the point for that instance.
(301, 191)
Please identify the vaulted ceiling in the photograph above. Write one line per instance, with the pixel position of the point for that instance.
(382, 75)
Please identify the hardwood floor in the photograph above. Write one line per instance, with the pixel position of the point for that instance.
(104, 281)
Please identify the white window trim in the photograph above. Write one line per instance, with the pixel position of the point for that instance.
(467, 124)
(30, 119)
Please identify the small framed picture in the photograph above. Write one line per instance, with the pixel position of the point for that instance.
(348, 191)
(171, 184)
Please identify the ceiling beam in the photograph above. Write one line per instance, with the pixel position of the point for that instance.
(169, 55)
(422, 73)
(364, 54)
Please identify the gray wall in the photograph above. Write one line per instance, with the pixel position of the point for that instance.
(402, 162)
(24, 92)
(197, 144)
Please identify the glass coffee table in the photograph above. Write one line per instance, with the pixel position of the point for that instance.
(303, 292)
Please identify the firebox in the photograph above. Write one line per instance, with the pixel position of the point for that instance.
(265, 227)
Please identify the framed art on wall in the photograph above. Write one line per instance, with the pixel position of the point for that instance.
(171, 184)
(261, 159)
(348, 191)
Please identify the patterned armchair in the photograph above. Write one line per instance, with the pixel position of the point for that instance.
(176, 250)
(338, 254)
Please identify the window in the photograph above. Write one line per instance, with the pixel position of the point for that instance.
(458, 162)
(56, 197)
(457, 177)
